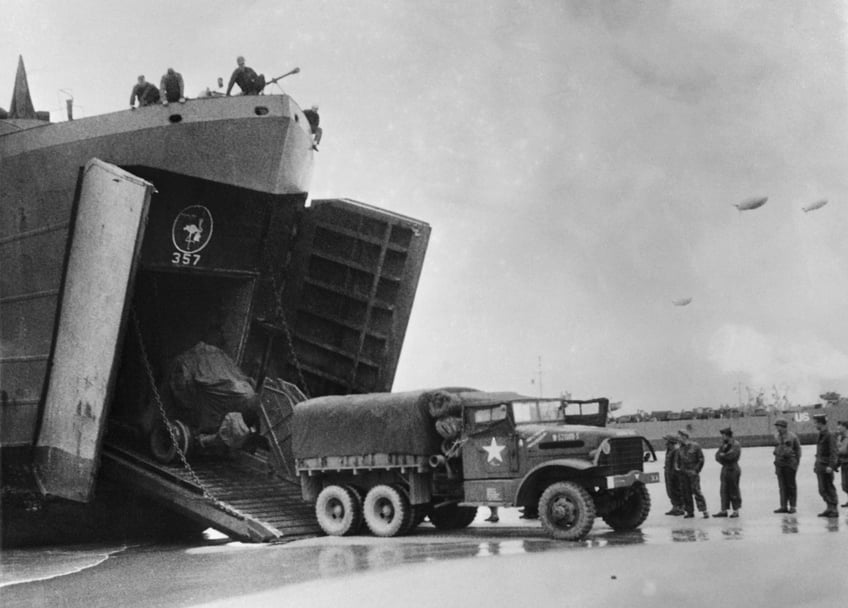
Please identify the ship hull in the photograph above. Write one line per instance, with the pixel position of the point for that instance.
(215, 141)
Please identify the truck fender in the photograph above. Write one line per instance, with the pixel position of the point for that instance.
(561, 468)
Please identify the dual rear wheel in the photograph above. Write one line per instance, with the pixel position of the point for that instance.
(385, 510)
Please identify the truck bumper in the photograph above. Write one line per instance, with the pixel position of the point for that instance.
(628, 479)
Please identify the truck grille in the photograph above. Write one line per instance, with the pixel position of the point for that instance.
(626, 454)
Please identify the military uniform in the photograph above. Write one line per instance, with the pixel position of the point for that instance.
(787, 455)
(672, 476)
(842, 450)
(727, 456)
(827, 459)
(690, 463)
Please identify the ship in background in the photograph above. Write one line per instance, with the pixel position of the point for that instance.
(752, 426)
(143, 232)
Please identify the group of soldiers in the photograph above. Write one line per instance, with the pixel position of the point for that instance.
(684, 462)
(172, 89)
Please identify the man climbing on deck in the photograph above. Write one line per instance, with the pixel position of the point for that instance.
(246, 78)
(146, 93)
(171, 87)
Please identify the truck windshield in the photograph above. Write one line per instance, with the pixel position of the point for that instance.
(537, 410)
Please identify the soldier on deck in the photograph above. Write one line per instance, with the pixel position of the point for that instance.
(727, 456)
(246, 78)
(172, 87)
(146, 93)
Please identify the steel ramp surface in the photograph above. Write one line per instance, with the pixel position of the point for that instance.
(248, 502)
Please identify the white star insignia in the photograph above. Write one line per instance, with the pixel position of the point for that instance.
(494, 451)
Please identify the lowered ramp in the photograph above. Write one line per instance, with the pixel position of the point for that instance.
(244, 499)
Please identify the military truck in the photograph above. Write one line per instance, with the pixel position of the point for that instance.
(390, 460)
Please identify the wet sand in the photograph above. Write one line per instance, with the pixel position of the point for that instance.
(760, 559)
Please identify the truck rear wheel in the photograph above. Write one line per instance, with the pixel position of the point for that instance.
(386, 510)
(566, 510)
(452, 517)
(339, 511)
(632, 511)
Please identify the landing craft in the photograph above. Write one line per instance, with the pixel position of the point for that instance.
(208, 239)
(751, 203)
(681, 301)
(814, 206)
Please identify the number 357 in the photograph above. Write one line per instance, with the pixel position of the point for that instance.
(185, 259)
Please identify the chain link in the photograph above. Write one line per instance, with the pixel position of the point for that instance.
(280, 313)
(158, 399)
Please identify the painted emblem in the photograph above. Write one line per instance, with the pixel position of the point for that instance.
(192, 229)
(493, 452)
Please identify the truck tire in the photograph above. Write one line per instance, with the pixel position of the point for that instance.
(566, 510)
(339, 511)
(409, 522)
(632, 511)
(386, 510)
(452, 517)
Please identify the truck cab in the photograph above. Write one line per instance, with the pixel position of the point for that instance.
(515, 448)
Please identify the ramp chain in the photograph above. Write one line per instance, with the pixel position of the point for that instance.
(279, 311)
(157, 397)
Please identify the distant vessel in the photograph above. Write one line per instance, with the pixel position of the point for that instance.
(750, 428)
(192, 225)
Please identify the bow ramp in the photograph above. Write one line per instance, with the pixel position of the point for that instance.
(238, 495)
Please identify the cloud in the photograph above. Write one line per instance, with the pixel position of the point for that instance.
(806, 364)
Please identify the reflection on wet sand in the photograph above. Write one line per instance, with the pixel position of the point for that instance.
(336, 560)
(789, 525)
(688, 535)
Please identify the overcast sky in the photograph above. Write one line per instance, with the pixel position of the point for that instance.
(577, 162)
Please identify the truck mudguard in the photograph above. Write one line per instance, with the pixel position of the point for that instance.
(528, 484)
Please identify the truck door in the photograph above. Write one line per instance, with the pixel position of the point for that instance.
(490, 451)
(104, 243)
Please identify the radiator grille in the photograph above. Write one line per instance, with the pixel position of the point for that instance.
(626, 454)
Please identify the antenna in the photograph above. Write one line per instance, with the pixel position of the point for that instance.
(541, 393)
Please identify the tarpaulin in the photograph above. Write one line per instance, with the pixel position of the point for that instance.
(204, 384)
(353, 425)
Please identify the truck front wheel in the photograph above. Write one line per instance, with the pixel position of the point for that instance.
(633, 509)
(452, 517)
(339, 510)
(566, 510)
(386, 511)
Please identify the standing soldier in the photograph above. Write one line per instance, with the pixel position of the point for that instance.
(690, 463)
(827, 459)
(672, 475)
(727, 456)
(787, 455)
(843, 454)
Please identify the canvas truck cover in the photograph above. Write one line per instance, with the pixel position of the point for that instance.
(203, 385)
(351, 425)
